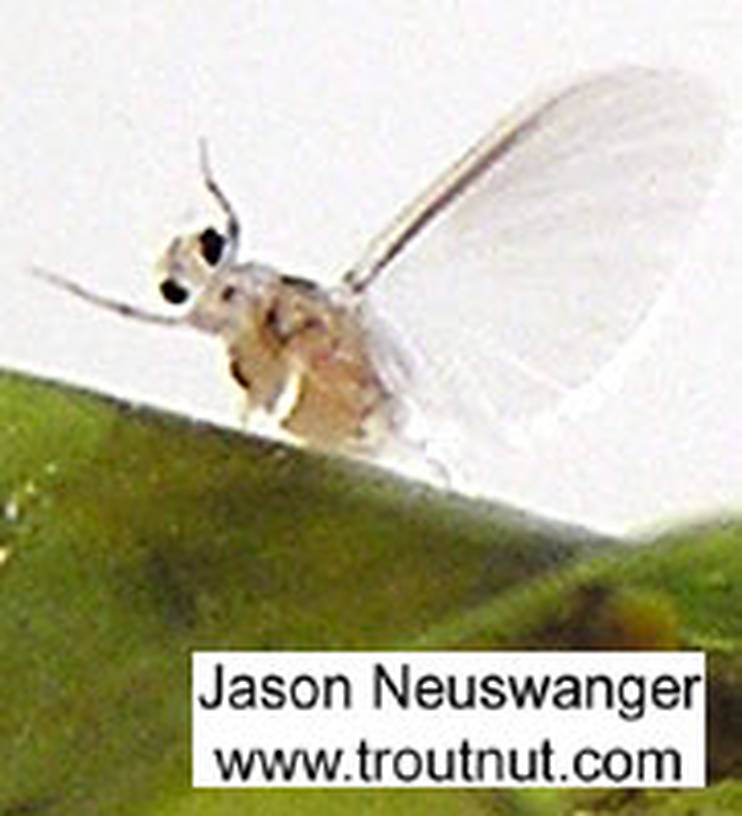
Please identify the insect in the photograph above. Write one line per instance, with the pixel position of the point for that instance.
(505, 286)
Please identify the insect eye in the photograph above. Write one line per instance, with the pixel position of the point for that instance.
(173, 292)
(212, 245)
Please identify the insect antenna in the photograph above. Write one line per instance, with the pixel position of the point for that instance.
(233, 224)
(118, 307)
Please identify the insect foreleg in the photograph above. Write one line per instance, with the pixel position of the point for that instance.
(116, 306)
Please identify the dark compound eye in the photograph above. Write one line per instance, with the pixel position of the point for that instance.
(173, 292)
(212, 245)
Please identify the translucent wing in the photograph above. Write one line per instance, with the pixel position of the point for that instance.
(521, 270)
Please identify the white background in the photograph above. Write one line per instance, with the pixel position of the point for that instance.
(323, 117)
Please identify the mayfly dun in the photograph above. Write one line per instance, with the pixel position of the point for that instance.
(515, 276)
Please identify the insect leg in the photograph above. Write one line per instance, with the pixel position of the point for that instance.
(117, 306)
(416, 449)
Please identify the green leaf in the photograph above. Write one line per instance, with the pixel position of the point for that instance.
(130, 538)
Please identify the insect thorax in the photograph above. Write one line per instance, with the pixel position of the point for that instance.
(304, 359)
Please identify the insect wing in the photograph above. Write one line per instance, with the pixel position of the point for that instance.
(521, 271)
